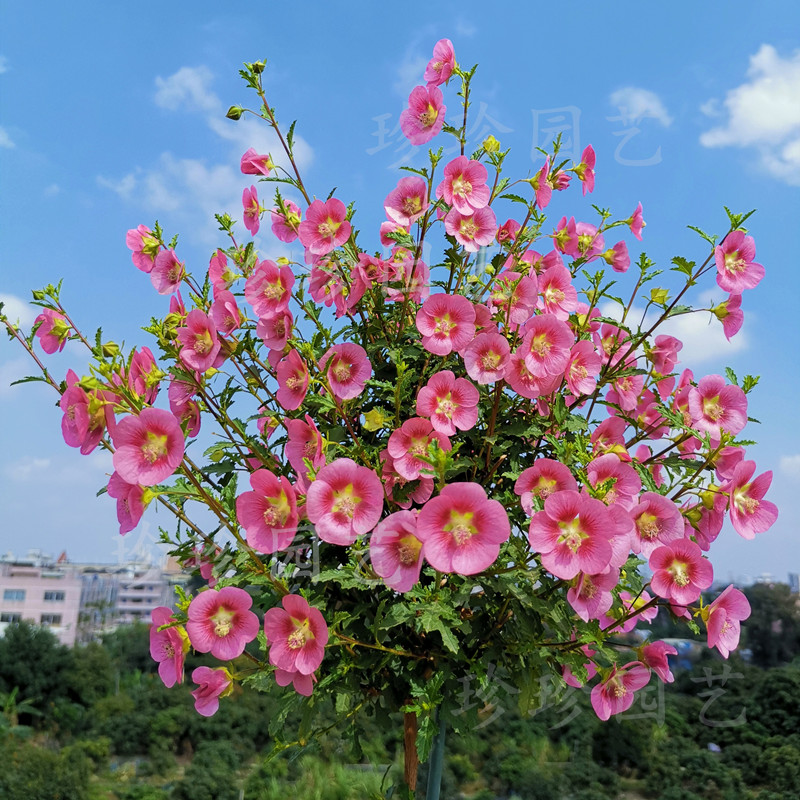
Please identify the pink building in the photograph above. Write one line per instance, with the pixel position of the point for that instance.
(40, 593)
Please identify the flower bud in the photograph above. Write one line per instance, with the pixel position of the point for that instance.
(491, 145)
(235, 112)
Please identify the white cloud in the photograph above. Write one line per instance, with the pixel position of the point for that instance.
(464, 29)
(11, 371)
(52, 190)
(636, 104)
(701, 333)
(122, 186)
(17, 310)
(409, 72)
(791, 466)
(5, 139)
(193, 190)
(188, 88)
(25, 468)
(3, 65)
(703, 338)
(764, 113)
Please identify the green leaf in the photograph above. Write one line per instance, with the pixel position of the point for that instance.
(712, 240)
(431, 620)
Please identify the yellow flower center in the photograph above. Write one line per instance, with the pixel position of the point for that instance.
(155, 447)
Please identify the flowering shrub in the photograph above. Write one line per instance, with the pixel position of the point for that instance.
(423, 474)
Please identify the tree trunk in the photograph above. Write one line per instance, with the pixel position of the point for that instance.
(411, 762)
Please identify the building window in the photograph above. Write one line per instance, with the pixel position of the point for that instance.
(7, 616)
(14, 594)
(54, 597)
(51, 619)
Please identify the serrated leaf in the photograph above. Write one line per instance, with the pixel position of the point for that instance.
(514, 197)
(431, 620)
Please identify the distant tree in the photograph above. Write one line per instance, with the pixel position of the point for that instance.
(773, 630)
(33, 661)
(129, 648)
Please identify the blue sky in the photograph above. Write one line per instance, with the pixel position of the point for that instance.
(113, 115)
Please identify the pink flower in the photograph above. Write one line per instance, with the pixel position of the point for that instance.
(269, 288)
(303, 441)
(410, 443)
(302, 684)
(736, 270)
(722, 618)
(524, 382)
(546, 346)
(285, 226)
(657, 521)
(292, 375)
(255, 164)
(149, 447)
(729, 313)
(348, 369)
(424, 117)
(219, 273)
(407, 202)
(75, 405)
(167, 272)
(617, 257)
(636, 222)
(449, 402)
(130, 502)
(225, 312)
(544, 478)
(53, 330)
(541, 185)
(344, 502)
(573, 534)
(716, 407)
(616, 693)
(213, 684)
(665, 354)
(508, 231)
(395, 550)
(144, 375)
(750, 512)
(200, 344)
(464, 185)
(654, 655)
(559, 296)
(275, 329)
(583, 368)
(515, 295)
(441, 66)
(680, 573)
(472, 231)
(585, 170)
(221, 623)
(325, 227)
(462, 529)
(487, 357)
(252, 210)
(168, 647)
(297, 635)
(420, 492)
(268, 513)
(590, 595)
(446, 322)
(183, 406)
(145, 247)
(633, 611)
(619, 481)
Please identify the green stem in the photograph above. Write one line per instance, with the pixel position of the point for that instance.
(436, 762)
